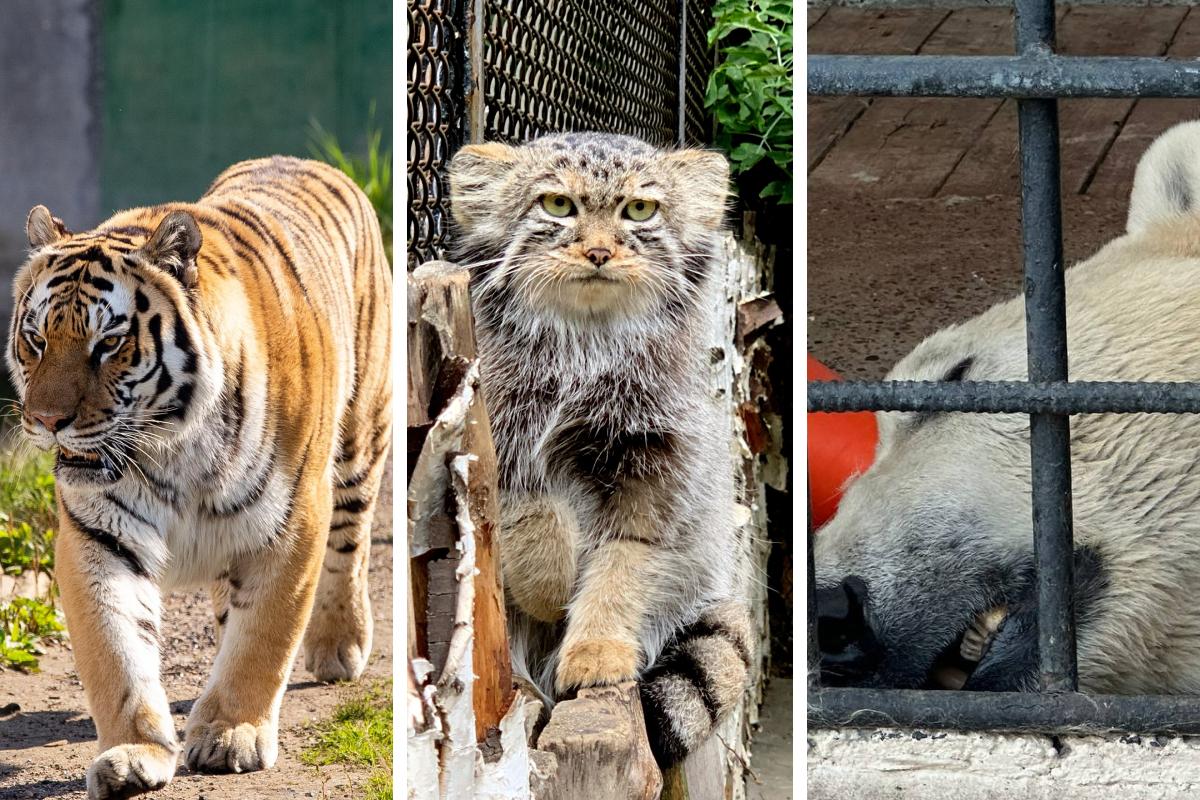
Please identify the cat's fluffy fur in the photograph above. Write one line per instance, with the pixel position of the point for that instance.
(618, 543)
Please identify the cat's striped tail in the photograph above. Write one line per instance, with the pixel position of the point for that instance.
(697, 681)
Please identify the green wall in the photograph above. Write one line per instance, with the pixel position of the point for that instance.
(192, 86)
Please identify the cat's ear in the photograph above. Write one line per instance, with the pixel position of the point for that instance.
(43, 228)
(173, 247)
(475, 171)
(703, 177)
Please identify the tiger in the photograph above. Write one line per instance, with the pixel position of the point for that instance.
(215, 377)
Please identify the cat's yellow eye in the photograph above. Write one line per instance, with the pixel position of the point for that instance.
(640, 210)
(558, 205)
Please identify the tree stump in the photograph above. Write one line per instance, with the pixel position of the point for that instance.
(600, 745)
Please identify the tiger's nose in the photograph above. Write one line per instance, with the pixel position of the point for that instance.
(51, 421)
(599, 255)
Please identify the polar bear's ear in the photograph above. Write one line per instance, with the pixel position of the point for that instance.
(1167, 182)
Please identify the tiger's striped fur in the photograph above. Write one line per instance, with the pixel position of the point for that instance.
(215, 376)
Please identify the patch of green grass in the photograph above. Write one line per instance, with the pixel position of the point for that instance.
(27, 514)
(359, 734)
(27, 521)
(372, 172)
(379, 786)
(24, 624)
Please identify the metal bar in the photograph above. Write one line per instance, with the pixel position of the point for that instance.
(1046, 340)
(1033, 27)
(814, 650)
(1014, 712)
(1006, 397)
(474, 109)
(681, 106)
(1002, 76)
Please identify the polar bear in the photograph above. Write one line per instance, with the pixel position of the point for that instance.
(926, 574)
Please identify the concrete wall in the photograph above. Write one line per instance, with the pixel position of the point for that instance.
(891, 764)
(49, 122)
(192, 87)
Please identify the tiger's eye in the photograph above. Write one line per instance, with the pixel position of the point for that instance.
(109, 342)
(36, 340)
(558, 205)
(640, 210)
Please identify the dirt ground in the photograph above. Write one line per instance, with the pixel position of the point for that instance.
(45, 748)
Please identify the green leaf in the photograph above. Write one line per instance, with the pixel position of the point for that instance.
(749, 92)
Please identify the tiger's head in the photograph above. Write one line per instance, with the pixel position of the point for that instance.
(104, 347)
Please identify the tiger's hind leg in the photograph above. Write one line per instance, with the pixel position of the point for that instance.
(338, 641)
(234, 724)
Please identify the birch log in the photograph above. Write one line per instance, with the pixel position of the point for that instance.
(459, 676)
(442, 360)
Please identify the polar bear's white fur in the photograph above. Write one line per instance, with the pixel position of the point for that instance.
(939, 528)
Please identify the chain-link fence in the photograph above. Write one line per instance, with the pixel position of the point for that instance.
(511, 70)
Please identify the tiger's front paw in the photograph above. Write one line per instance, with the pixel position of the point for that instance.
(225, 746)
(596, 662)
(336, 648)
(130, 769)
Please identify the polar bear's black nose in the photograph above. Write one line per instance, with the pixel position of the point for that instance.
(849, 651)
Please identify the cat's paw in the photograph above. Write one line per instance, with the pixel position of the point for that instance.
(596, 662)
(128, 770)
(224, 746)
(337, 645)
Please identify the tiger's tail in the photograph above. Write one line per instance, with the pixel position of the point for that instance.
(697, 681)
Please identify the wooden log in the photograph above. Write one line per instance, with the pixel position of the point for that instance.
(600, 745)
(493, 692)
(703, 776)
(442, 355)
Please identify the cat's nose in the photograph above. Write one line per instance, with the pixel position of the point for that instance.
(599, 255)
(51, 421)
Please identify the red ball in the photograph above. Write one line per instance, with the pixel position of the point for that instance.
(840, 447)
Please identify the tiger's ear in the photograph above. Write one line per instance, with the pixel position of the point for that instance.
(173, 247)
(474, 172)
(43, 228)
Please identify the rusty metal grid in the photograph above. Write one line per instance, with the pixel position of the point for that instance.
(522, 68)
(555, 65)
(435, 119)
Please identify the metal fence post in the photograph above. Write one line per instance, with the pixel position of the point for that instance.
(681, 105)
(1046, 336)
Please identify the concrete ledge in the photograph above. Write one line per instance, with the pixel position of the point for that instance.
(887, 764)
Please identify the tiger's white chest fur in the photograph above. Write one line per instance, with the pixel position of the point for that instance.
(190, 512)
